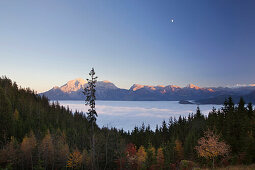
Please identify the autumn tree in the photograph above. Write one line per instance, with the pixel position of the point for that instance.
(74, 160)
(27, 147)
(210, 146)
(141, 157)
(131, 155)
(47, 150)
(179, 149)
(90, 93)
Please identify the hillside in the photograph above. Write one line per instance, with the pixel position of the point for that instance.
(35, 125)
(36, 134)
(249, 98)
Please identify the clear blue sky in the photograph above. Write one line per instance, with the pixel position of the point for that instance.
(46, 43)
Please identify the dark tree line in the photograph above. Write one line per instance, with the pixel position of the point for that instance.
(234, 123)
(38, 134)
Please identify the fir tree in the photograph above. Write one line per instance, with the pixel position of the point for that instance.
(90, 93)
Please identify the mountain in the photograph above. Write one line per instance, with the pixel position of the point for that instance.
(170, 92)
(250, 97)
(106, 90)
(72, 90)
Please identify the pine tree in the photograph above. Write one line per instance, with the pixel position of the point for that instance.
(90, 93)
(61, 150)
(6, 118)
(151, 158)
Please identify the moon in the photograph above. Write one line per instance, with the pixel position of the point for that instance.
(172, 20)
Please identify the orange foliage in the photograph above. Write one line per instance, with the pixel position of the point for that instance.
(74, 160)
(209, 146)
(28, 144)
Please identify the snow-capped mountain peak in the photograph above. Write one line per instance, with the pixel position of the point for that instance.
(136, 87)
(73, 85)
(192, 86)
(106, 90)
(106, 81)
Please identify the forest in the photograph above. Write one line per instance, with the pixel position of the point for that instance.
(38, 134)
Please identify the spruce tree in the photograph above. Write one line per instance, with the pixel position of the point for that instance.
(90, 93)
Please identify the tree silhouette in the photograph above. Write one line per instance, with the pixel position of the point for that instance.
(89, 92)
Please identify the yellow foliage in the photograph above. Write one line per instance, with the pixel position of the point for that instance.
(74, 159)
(27, 145)
(160, 158)
(152, 150)
(141, 156)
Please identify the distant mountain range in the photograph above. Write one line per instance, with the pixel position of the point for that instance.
(106, 90)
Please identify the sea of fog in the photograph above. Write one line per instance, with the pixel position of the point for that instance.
(128, 114)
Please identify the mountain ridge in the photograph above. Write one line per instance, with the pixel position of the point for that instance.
(106, 90)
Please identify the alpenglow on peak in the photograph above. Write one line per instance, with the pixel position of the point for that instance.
(192, 86)
(73, 85)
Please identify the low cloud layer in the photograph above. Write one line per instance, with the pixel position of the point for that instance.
(126, 115)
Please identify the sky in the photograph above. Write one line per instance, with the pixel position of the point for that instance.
(45, 43)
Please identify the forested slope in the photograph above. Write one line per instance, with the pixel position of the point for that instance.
(35, 134)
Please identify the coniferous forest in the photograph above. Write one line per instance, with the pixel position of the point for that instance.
(38, 134)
